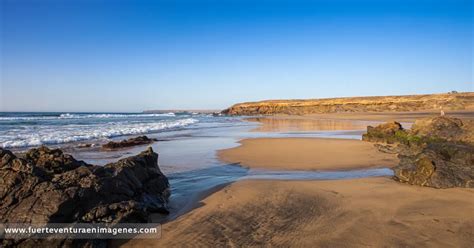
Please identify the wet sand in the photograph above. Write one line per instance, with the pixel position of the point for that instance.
(343, 121)
(379, 116)
(376, 212)
(369, 212)
(307, 154)
(299, 124)
(392, 116)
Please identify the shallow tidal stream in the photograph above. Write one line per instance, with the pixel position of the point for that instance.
(188, 159)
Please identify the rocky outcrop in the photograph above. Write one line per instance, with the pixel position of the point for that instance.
(48, 186)
(433, 102)
(438, 165)
(450, 129)
(140, 140)
(386, 132)
(436, 152)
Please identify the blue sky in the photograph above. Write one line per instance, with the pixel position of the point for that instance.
(98, 55)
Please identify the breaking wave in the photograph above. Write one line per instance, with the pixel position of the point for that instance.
(81, 116)
(53, 134)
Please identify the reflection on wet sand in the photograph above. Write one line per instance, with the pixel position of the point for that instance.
(279, 124)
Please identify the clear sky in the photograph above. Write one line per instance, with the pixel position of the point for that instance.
(98, 55)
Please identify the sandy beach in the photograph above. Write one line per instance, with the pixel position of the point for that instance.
(307, 154)
(375, 212)
(237, 124)
(368, 212)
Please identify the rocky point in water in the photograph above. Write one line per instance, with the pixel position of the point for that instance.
(140, 140)
(436, 152)
(47, 186)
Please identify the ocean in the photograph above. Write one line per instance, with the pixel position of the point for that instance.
(187, 146)
(24, 130)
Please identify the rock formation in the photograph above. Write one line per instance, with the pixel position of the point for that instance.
(450, 129)
(452, 101)
(386, 132)
(436, 152)
(438, 165)
(140, 140)
(48, 186)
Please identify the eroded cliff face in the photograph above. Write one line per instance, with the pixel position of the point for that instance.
(451, 101)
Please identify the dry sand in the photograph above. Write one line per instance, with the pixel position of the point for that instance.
(307, 154)
(375, 212)
(370, 212)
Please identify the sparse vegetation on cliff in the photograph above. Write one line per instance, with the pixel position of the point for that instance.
(433, 102)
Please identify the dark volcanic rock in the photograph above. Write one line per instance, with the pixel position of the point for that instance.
(86, 145)
(47, 186)
(436, 152)
(52, 160)
(140, 140)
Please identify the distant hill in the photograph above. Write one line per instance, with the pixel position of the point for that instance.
(431, 102)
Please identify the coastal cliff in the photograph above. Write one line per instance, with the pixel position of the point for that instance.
(432, 102)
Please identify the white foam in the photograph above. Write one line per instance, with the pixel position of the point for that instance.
(81, 116)
(24, 136)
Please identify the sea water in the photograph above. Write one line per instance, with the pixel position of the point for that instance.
(18, 130)
(187, 146)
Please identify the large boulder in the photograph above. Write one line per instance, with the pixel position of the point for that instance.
(386, 132)
(48, 186)
(436, 152)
